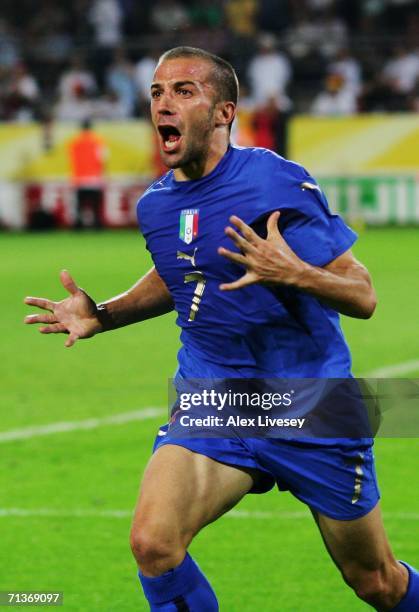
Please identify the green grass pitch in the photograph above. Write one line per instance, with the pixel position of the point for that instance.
(270, 555)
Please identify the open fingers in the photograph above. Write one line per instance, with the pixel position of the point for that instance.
(272, 224)
(68, 282)
(59, 328)
(236, 257)
(245, 229)
(55, 328)
(244, 281)
(40, 318)
(241, 243)
(72, 338)
(40, 303)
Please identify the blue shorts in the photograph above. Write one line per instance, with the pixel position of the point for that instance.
(336, 479)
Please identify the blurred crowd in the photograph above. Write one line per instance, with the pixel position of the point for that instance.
(95, 58)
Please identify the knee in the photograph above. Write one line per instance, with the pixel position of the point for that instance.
(375, 586)
(155, 547)
(369, 586)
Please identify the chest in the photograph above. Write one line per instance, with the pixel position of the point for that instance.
(184, 231)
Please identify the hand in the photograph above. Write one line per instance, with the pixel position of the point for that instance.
(75, 315)
(269, 261)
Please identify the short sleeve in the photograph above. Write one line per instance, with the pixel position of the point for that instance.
(319, 238)
(312, 231)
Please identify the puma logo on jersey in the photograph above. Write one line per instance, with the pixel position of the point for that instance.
(191, 258)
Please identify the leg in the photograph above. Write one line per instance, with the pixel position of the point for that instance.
(362, 553)
(339, 480)
(181, 492)
(96, 199)
(79, 194)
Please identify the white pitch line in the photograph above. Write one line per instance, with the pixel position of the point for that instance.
(397, 369)
(125, 514)
(263, 514)
(26, 433)
(55, 513)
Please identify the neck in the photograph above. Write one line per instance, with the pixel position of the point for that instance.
(203, 166)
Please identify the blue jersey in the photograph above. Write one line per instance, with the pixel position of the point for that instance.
(255, 331)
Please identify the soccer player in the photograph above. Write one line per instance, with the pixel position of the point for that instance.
(258, 269)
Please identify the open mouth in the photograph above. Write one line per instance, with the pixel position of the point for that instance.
(170, 136)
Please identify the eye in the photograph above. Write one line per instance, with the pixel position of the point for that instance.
(184, 92)
(155, 94)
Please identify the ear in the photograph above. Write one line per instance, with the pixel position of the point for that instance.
(224, 113)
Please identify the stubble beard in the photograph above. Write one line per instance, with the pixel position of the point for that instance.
(197, 150)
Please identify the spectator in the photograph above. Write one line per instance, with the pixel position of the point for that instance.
(333, 33)
(335, 99)
(402, 71)
(392, 90)
(322, 32)
(206, 14)
(242, 29)
(51, 34)
(76, 89)
(76, 81)
(144, 71)
(109, 107)
(47, 32)
(242, 132)
(54, 46)
(241, 17)
(77, 108)
(270, 127)
(169, 15)
(265, 120)
(302, 36)
(106, 18)
(10, 51)
(21, 95)
(269, 74)
(120, 81)
(348, 68)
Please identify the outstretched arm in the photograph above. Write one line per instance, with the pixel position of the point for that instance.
(344, 284)
(148, 298)
(80, 317)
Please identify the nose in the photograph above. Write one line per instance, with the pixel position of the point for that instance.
(165, 105)
(165, 111)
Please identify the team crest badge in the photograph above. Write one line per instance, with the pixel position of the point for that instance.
(188, 226)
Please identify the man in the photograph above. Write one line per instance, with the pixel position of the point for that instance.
(87, 155)
(278, 319)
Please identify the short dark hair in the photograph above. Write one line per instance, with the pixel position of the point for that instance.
(86, 124)
(224, 77)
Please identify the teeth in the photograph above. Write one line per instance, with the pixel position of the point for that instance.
(170, 144)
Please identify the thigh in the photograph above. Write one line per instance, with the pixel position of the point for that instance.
(186, 490)
(357, 544)
(337, 480)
